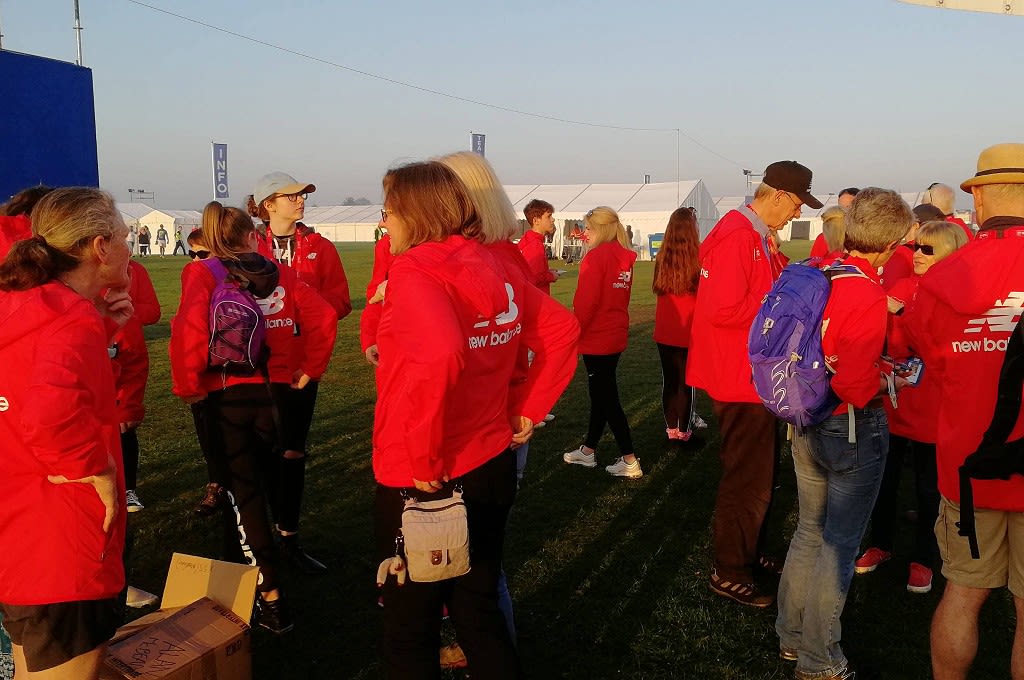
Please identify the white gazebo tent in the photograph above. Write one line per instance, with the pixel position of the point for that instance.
(172, 220)
(344, 223)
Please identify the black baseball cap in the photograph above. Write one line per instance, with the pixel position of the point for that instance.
(792, 177)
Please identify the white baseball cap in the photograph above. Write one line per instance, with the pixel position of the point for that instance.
(279, 183)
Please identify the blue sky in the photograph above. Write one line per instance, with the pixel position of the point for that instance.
(863, 92)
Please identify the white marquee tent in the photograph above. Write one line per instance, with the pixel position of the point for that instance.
(645, 207)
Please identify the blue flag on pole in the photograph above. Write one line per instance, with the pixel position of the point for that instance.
(220, 171)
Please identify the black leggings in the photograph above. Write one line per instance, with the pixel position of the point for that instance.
(130, 457)
(241, 433)
(926, 481)
(605, 407)
(676, 395)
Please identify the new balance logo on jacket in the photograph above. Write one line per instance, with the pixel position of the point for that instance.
(1001, 319)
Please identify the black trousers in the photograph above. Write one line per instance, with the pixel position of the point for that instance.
(926, 484)
(241, 434)
(412, 613)
(214, 464)
(676, 395)
(749, 455)
(605, 407)
(295, 416)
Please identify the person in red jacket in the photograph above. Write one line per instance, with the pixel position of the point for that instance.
(15, 224)
(539, 217)
(375, 290)
(676, 273)
(601, 305)
(839, 461)
(960, 324)
(901, 265)
(132, 369)
(240, 410)
(833, 234)
(445, 413)
(279, 201)
(943, 197)
(62, 518)
(739, 262)
(911, 425)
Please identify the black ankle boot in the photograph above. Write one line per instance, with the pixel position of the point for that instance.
(296, 555)
(274, 616)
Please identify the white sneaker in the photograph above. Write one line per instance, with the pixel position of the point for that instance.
(698, 422)
(133, 502)
(539, 424)
(138, 598)
(549, 417)
(620, 468)
(579, 457)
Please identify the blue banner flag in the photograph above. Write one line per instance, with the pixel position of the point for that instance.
(220, 171)
(478, 143)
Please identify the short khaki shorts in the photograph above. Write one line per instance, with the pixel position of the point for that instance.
(1000, 541)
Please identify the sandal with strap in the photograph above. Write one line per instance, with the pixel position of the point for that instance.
(744, 593)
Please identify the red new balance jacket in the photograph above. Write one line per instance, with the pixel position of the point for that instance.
(601, 302)
(531, 245)
(57, 417)
(736, 274)
(370, 318)
(317, 263)
(454, 320)
(132, 358)
(965, 311)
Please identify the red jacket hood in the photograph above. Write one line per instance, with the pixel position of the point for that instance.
(466, 267)
(22, 312)
(13, 229)
(955, 280)
(721, 233)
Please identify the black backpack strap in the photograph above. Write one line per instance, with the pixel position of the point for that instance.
(994, 441)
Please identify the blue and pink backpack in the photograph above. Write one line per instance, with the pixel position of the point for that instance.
(238, 343)
(786, 358)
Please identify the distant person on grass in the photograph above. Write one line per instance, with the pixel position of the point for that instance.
(179, 241)
(62, 520)
(676, 275)
(601, 305)
(539, 216)
(739, 262)
(966, 310)
(162, 240)
(839, 462)
(454, 394)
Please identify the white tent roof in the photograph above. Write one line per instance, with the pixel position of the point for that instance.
(727, 203)
(572, 200)
(342, 214)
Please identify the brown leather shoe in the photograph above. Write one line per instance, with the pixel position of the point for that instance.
(212, 499)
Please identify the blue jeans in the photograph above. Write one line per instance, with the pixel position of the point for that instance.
(837, 483)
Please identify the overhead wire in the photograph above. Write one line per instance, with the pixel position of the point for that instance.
(421, 88)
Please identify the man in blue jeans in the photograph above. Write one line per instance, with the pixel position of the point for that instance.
(839, 462)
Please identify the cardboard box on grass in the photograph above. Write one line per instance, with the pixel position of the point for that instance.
(201, 631)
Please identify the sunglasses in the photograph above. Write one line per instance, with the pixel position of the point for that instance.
(293, 198)
(384, 214)
(925, 250)
(201, 254)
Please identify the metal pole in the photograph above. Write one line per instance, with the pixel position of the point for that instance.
(78, 33)
(677, 167)
(1, 35)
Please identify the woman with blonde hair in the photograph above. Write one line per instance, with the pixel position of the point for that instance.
(239, 411)
(676, 274)
(912, 425)
(601, 305)
(62, 518)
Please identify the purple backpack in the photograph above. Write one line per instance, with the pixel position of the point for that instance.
(786, 358)
(237, 326)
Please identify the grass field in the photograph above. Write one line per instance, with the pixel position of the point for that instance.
(608, 576)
